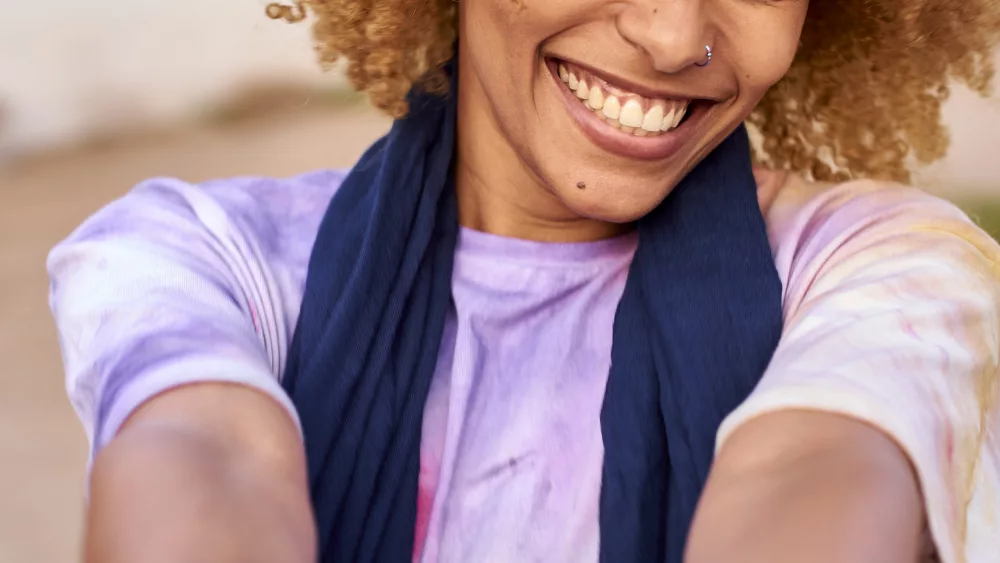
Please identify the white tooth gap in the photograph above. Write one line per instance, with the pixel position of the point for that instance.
(653, 119)
(573, 82)
(582, 90)
(612, 108)
(631, 115)
(563, 74)
(627, 129)
(640, 132)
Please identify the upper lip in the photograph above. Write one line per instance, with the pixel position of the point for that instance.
(626, 84)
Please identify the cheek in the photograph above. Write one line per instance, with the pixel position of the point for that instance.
(501, 40)
(500, 44)
(764, 50)
(764, 68)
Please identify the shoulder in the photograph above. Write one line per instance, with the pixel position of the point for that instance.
(177, 282)
(276, 206)
(269, 209)
(818, 230)
(270, 221)
(799, 202)
(892, 316)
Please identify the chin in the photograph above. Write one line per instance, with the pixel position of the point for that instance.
(631, 144)
(613, 205)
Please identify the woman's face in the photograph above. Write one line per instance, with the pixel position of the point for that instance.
(603, 101)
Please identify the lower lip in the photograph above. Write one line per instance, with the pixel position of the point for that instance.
(617, 142)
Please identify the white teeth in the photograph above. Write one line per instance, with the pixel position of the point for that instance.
(663, 115)
(631, 115)
(679, 116)
(668, 121)
(673, 117)
(596, 98)
(612, 109)
(653, 119)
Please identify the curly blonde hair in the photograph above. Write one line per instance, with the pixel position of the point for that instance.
(862, 99)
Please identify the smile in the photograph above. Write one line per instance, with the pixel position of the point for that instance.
(626, 111)
(620, 121)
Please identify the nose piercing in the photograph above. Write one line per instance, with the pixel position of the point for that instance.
(708, 56)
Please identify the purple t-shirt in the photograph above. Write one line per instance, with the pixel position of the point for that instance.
(883, 286)
(511, 451)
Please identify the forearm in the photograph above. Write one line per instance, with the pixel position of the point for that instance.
(802, 486)
(169, 489)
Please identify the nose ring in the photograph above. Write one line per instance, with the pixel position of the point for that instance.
(708, 56)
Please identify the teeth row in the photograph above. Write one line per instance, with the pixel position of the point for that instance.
(629, 116)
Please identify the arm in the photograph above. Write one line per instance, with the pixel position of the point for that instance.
(876, 421)
(821, 488)
(174, 307)
(206, 472)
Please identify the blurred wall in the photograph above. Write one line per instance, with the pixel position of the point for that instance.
(73, 68)
(972, 167)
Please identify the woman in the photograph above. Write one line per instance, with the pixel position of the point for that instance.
(528, 312)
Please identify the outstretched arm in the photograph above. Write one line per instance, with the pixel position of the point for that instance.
(875, 425)
(174, 325)
(799, 486)
(208, 472)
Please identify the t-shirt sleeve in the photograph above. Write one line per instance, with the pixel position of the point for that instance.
(891, 316)
(160, 289)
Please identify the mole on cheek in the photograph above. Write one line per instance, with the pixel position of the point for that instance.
(581, 185)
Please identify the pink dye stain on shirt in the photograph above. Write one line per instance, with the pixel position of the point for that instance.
(425, 502)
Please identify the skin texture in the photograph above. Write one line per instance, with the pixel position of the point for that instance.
(210, 473)
(807, 486)
(521, 155)
(865, 69)
(228, 463)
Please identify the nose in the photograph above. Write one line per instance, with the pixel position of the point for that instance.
(672, 33)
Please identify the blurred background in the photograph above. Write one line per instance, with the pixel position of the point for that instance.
(95, 96)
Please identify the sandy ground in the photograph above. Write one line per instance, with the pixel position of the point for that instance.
(42, 448)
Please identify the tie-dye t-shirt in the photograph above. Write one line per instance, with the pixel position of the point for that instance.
(890, 316)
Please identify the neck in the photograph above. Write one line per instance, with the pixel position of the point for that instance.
(499, 193)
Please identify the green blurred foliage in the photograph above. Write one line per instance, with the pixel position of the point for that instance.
(986, 214)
